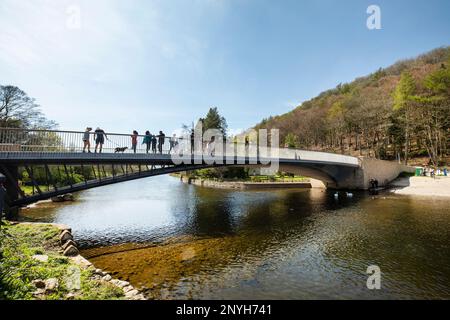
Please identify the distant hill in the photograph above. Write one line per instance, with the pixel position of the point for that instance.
(401, 111)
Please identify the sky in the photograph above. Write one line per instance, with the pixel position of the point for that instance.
(152, 65)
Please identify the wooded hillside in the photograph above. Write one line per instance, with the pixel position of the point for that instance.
(402, 111)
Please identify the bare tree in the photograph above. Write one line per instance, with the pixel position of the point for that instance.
(18, 110)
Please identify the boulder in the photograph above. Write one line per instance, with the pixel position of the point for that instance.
(69, 243)
(51, 284)
(71, 251)
(65, 236)
(128, 289)
(40, 257)
(107, 278)
(68, 197)
(131, 293)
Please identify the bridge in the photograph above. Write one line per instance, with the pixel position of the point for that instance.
(41, 164)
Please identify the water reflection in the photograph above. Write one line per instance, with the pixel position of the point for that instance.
(282, 244)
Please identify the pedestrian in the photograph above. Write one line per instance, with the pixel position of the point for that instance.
(445, 172)
(134, 138)
(99, 137)
(154, 143)
(192, 141)
(147, 141)
(86, 140)
(161, 140)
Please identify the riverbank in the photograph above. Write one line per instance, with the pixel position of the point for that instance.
(33, 267)
(422, 186)
(249, 185)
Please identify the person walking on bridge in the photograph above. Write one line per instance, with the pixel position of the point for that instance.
(161, 140)
(147, 140)
(134, 138)
(86, 140)
(99, 137)
(154, 141)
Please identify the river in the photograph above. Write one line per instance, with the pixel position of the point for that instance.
(178, 241)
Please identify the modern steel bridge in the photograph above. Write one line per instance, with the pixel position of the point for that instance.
(41, 164)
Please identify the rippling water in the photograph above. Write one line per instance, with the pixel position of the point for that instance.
(180, 241)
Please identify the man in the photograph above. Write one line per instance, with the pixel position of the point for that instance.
(99, 137)
(161, 140)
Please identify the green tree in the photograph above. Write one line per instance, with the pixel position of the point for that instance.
(291, 141)
(214, 120)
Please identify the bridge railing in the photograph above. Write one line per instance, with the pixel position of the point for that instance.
(33, 140)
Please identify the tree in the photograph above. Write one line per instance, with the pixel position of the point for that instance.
(404, 103)
(291, 141)
(18, 110)
(214, 120)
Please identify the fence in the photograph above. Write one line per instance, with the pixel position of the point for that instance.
(29, 140)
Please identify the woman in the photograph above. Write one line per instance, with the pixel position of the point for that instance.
(134, 138)
(86, 140)
(147, 140)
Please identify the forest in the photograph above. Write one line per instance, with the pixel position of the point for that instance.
(401, 112)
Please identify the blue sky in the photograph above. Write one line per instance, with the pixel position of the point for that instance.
(157, 64)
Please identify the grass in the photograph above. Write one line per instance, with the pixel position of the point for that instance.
(28, 190)
(19, 242)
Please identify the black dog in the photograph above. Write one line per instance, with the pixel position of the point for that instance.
(118, 149)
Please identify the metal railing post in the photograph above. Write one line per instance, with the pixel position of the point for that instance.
(2, 196)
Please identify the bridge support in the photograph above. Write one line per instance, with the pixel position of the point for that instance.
(13, 190)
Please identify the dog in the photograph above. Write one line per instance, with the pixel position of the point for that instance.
(120, 149)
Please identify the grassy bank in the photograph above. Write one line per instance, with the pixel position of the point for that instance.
(21, 270)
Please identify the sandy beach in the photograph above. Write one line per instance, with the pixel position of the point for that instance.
(422, 186)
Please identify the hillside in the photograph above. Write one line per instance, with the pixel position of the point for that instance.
(402, 111)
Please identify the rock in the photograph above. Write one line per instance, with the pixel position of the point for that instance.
(123, 284)
(38, 283)
(128, 289)
(68, 197)
(70, 296)
(39, 292)
(65, 236)
(100, 272)
(57, 199)
(51, 284)
(69, 243)
(71, 251)
(40, 257)
(107, 278)
(131, 293)
(62, 198)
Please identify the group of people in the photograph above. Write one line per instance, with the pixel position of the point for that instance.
(432, 172)
(99, 138)
(154, 143)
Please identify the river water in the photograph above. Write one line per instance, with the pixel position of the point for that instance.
(174, 240)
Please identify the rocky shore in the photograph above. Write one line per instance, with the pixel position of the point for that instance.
(54, 268)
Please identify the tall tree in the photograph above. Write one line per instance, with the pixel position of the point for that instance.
(404, 103)
(18, 110)
(214, 120)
